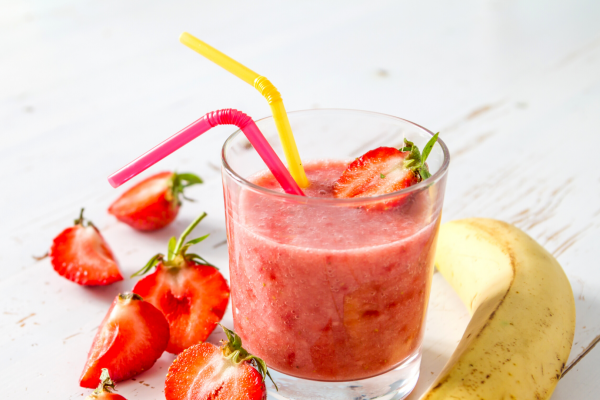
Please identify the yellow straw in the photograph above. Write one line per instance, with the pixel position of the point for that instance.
(265, 88)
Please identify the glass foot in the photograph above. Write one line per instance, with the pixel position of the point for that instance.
(392, 385)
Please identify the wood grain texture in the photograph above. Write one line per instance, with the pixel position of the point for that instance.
(86, 86)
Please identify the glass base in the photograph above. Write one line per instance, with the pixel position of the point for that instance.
(392, 385)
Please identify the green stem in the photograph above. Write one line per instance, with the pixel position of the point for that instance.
(79, 221)
(187, 231)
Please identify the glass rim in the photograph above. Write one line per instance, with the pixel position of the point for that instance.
(424, 184)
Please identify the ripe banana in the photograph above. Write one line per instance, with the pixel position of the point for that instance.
(523, 313)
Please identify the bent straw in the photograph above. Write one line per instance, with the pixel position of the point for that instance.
(265, 88)
(192, 131)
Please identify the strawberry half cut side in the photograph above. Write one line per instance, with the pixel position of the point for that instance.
(80, 254)
(104, 390)
(205, 371)
(191, 293)
(154, 202)
(132, 336)
(384, 170)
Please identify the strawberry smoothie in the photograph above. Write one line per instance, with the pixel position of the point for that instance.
(330, 291)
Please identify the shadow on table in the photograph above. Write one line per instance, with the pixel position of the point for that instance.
(431, 365)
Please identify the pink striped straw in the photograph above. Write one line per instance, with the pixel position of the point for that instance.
(220, 117)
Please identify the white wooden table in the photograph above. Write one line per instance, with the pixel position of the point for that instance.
(85, 86)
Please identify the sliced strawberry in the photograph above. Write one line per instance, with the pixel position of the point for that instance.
(191, 293)
(378, 171)
(81, 255)
(207, 372)
(132, 336)
(154, 202)
(104, 390)
(193, 299)
(384, 170)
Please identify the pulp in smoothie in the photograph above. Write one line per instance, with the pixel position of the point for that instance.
(327, 291)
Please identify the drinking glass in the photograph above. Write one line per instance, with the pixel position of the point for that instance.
(332, 293)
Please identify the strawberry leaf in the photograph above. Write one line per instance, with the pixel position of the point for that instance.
(233, 349)
(197, 240)
(234, 341)
(429, 146)
(185, 233)
(229, 333)
(171, 248)
(413, 160)
(149, 265)
(261, 366)
(192, 242)
(177, 256)
(424, 170)
(189, 179)
(177, 252)
(198, 260)
(181, 181)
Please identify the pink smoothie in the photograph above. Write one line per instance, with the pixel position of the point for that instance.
(329, 292)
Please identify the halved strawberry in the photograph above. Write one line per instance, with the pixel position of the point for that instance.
(384, 170)
(81, 255)
(207, 372)
(132, 336)
(154, 202)
(191, 293)
(104, 390)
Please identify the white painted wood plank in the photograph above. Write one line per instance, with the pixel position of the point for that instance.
(86, 86)
(581, 382)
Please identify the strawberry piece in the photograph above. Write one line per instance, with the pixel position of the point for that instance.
(191, 293)
(378, 171)
(384, 170)
(207, 372)
(104, 390)
(132, 336)
(193, 300)
(154, 202)
(81, 255)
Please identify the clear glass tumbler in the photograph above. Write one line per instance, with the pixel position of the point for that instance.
(332, 293)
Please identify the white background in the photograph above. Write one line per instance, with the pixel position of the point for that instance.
(88, 85)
